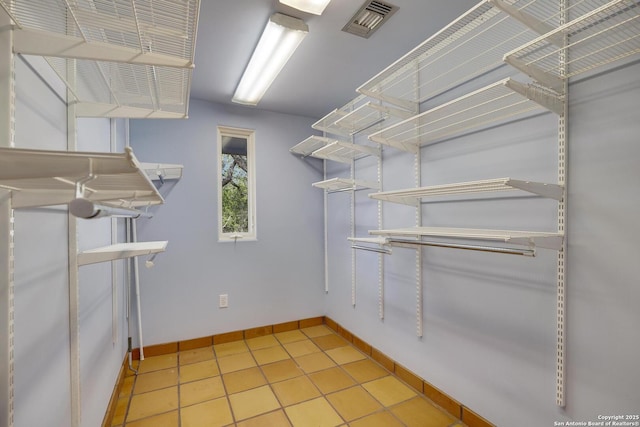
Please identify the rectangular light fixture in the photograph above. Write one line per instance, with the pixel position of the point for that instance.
(280, 38)
(315, 7)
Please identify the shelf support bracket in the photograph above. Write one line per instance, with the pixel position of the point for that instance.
(406, 105)
(536, 73)
(538, 95)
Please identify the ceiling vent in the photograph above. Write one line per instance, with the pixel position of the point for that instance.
(369, 18)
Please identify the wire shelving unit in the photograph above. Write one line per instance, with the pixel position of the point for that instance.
(132, 59)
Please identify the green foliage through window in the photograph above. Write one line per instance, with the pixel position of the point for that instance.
(235, 198)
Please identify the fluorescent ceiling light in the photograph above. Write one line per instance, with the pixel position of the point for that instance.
(280, 38)
(310, 6)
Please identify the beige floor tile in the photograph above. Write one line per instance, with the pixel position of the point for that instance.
(272, 419)
(290, 336)
(313, 413)
(280, 371)
(156, 380)
(201, 390)
(156, 363)
(295, 390)
(213, 413)
(314, 362)
(198, 371)
(353, 403)
(300, 348)
(245, 379)
(327, 342)
(228, 348)
(270, 355)
(153, 403)
(170, 419)
(342, 355)
(332, 379)
(236, 362)
(419, 412)
(389, 390)
(196, 355)
(379, 419)
(317, 331)
(253, 402)
(127, 386)
(262, 342)
(121, 411)
(365, 370)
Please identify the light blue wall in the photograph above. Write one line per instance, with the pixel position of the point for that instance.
(102, 342)
(275, 279)
(42, 340)
(490, 320)
(41, 372)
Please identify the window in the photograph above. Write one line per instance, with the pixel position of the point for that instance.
(236, 184)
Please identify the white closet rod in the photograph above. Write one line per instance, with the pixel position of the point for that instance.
(377, 250)
(87, 209)
(480, 248)
(136, 274)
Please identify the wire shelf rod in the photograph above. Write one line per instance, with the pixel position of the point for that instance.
(479, 248)
(549, 240)
(369, 249)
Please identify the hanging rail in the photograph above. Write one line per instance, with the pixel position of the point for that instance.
(377, 250)
(480, 248)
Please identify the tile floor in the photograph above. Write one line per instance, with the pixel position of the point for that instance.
(307, 377)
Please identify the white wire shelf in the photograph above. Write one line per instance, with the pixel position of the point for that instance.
(344, 152)
(327, 123)
(522, 238)
(120, 251)
(345, 184)
(368, 115)
(357, 116)
(45, 178)
(162, 171)
(505, 99)
(413, 196)
(311, 144)
(468, 47)
(134, 58)
(602, 36)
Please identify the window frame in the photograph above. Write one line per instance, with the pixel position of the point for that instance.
(249, 135)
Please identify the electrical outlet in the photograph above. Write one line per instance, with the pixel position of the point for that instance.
(223, 301)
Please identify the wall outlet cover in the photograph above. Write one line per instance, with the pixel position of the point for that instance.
(223, 301)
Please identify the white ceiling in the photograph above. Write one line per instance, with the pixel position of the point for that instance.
(329, 65)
